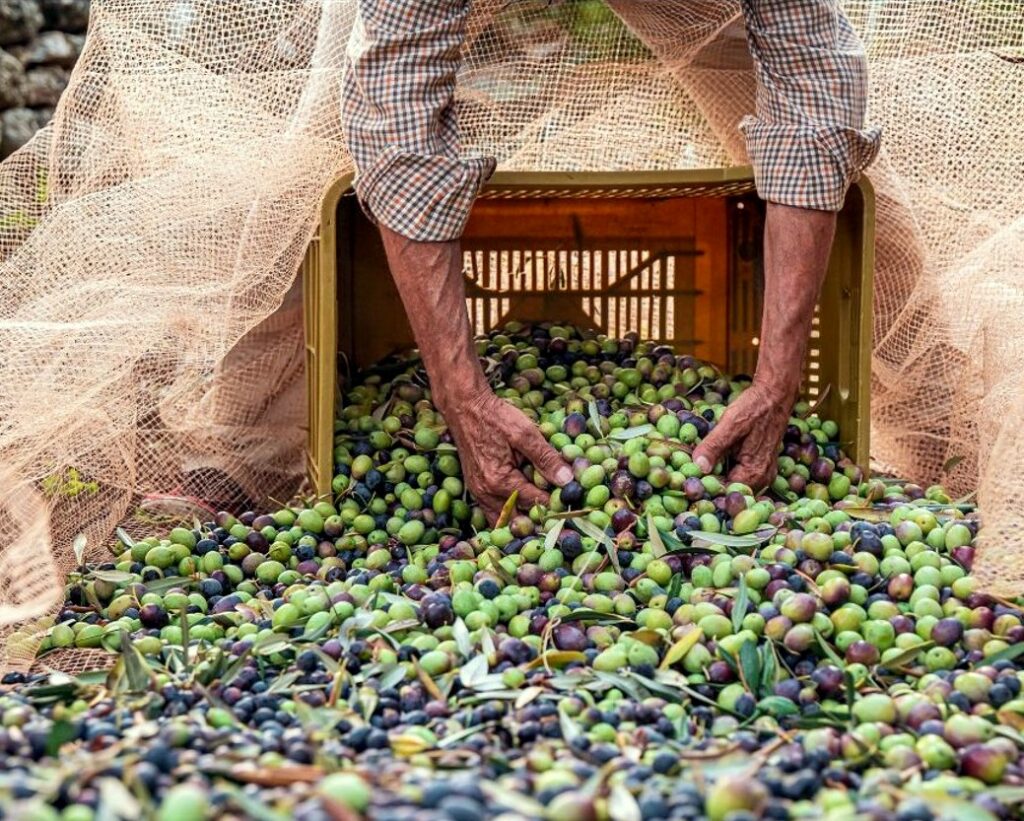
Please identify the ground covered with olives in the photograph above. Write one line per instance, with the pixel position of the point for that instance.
(655, 644)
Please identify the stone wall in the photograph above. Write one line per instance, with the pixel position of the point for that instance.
(39, 43)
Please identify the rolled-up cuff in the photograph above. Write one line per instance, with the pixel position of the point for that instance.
(808, 166)
(424, 198)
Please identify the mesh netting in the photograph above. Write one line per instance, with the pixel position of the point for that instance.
(150, 234)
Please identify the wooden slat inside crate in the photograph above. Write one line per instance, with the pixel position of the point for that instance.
(657, 267)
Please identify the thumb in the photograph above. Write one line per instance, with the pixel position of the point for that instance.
(543, 457)
(714, 447)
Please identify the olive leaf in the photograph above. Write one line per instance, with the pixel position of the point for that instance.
(777, 706)
(631, 433)
(460, 633)
(588, 528)
(112, 576)
(596, 616)
(739, 605)
(826, 648)
(551, 539)
(658, 548)
(595, 420)
(728, 540)
(1009, 654)
(474, 671)
(750, 664)
(60, 734)
(907, 655)
(137, 673)
(570, 729)
(769, 668)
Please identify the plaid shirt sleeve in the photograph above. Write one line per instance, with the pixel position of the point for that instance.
(808, 141)
(400, 119)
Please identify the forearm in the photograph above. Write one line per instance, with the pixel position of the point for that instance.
(797, 246)
(430, 280)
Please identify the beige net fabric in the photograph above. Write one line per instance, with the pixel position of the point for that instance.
(149, 235)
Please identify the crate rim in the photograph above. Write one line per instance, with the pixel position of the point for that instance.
(583, 180)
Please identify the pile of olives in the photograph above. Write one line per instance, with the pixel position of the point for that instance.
(657, 642)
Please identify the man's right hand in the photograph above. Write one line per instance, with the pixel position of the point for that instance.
(494, 439)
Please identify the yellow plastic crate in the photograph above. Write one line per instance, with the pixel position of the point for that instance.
(674, 256)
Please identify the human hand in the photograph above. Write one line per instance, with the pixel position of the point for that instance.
(494, 439)
(751, 430)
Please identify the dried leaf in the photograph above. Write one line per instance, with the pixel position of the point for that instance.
(556, 658)
(622, 805)
(507, 510)
(952, 462)
(116, 800)
(405, 745)
(528, 695)
(428, 683)
(820, 400)
(283, 776)
(677, 652)
(78, 546)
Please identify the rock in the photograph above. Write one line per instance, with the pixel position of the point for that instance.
(51, 48)
(12, 81)
(66, 15)
(17, 125)
(20, 21)
(43, 86)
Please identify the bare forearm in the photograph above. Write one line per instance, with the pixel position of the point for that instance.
(430, 281)
(797, 246)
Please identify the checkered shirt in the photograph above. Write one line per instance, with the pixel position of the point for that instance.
(807, 141)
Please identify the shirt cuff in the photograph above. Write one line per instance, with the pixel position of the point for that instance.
(808, 166)
(426, 198)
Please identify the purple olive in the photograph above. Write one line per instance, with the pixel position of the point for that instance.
(862, 652)
(569, 637)
(947, 632)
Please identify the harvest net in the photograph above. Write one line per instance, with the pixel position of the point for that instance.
(149, 238)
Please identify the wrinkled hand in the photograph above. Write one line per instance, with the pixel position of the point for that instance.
(494, 438)
(750, 430)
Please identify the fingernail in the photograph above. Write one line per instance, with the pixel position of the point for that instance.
(703, 463)
(563, 476)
